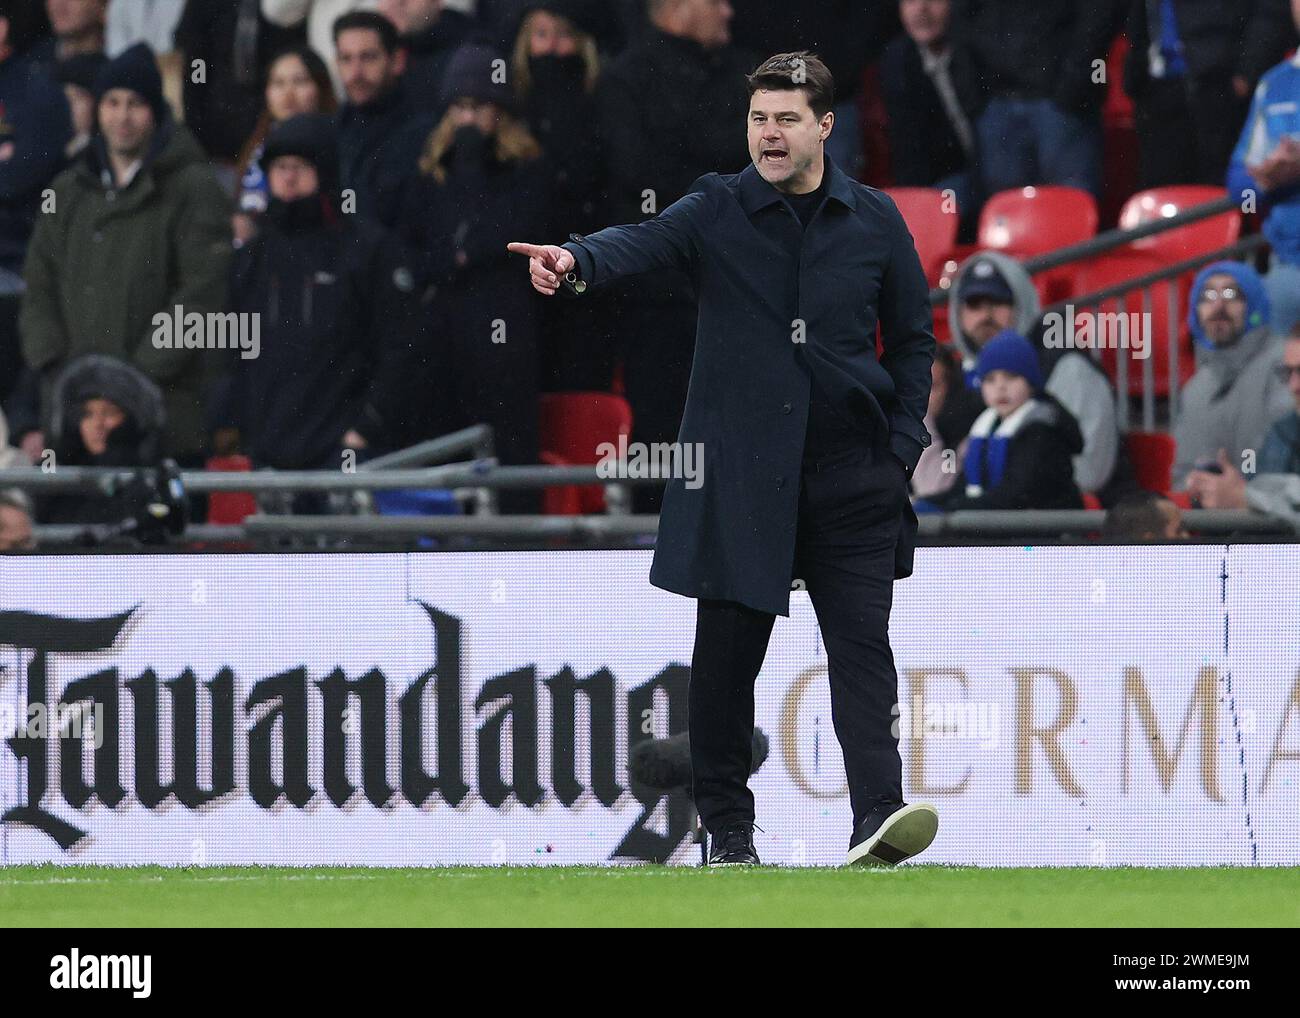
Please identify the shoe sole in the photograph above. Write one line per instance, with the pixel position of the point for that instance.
(901, 836)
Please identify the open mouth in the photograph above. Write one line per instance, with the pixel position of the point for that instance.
(776, 155)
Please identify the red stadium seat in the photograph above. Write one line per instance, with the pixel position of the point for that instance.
(933, 224)
(573, 425)
(1034, 220)
(1186, 241)
(1117, 267)
(1119, 137)
(1152, 454)
(230, 507)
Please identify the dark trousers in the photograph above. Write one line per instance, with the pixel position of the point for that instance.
(1187, 129)
(1034, 141)
(850, 515)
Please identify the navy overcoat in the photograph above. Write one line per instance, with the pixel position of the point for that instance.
(776, 303)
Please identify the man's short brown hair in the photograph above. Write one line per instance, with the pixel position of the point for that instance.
(803, 71)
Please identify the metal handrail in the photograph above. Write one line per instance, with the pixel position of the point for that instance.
(1246, 245)
(477, 440)
(640, 530)
(487, 473)
(1138, 287)
(1143, 284)
(1109, 240)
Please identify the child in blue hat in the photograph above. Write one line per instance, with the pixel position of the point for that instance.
(1020, 451)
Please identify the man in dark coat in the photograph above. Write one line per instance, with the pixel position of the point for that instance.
(337, 307)
(806, 440)
(381, 127)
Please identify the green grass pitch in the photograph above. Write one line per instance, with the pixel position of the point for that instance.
(912, 895)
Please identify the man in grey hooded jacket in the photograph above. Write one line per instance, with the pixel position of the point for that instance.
(1235, 395)
(992, 292)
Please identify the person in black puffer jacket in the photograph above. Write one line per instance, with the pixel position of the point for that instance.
(336, 303)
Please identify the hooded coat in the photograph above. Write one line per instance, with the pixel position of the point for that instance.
(112, 258)
(1072, 377)
(134, 443)
(1234, 397)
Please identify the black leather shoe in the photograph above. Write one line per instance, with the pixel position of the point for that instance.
(733, 845)
(893, 832)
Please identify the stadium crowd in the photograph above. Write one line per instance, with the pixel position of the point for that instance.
(343, 176)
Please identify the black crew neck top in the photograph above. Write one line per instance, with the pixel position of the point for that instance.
(805, 205)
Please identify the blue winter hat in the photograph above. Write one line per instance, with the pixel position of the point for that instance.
(1258, 309)
(1010, 351)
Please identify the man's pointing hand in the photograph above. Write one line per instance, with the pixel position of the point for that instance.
(547, 264)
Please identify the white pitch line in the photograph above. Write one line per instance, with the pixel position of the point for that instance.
(187, 876)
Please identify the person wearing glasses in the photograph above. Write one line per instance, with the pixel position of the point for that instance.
(1278, 469)
(1235, 394)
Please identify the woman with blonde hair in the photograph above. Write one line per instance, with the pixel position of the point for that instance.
(476, 183)
(554, 67)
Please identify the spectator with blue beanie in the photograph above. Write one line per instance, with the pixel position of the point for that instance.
(1265, 171)
(1235, 395)
(1019, 454)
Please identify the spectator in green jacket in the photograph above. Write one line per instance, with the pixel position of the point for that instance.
(137, 227)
